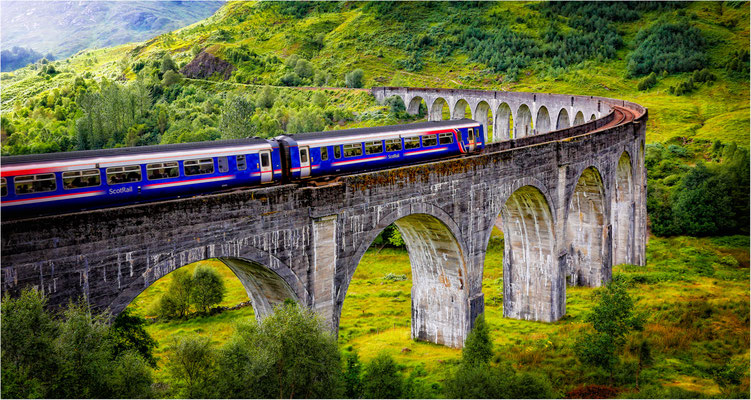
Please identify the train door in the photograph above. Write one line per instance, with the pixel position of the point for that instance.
(470, 139)
(266, 170)
(304, 162)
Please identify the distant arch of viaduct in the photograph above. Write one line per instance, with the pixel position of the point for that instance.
(568, 190)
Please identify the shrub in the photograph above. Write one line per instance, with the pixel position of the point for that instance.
(207, 288)
(354, 78)
(191, 364)
(382, 379)
(648, 82)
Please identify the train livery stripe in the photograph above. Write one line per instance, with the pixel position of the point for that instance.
(415, 153)
(188, 182)
(379, 136)
(459, 141)
(52, 198)
(369, 159)
(30, 169)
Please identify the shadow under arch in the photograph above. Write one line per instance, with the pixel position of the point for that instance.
(578, 118)
(523, 122)
(533, 288)
(413, 108)
(623, 212)
(462, 110)
(440, 291)
(266, 279)
(504, 125)
(542, 123)
(439, 110)
(587, 234)
(563, 120)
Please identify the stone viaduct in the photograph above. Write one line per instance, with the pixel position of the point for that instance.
(568, 187)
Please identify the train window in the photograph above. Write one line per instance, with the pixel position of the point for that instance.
(393, 145)
(198, 167)
(337, 151)
(223, 164)
(471, 134)
(162, 170)
(265, 160)
(81, 179)
(304, 155)
(373, 147)
(429, 140)
(3, 187)
(117, 175)
(241, 164)
(446, 138)
(411, 142)
(26, 184)
(324, 153)
(353, 150)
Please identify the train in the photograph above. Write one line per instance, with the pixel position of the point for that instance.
(40, 184)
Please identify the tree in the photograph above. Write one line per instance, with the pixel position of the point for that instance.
(304, 69)
(354, 78)
(128, 333)
(85, 354)
(478, 349)
(191, 363)
(352, 380)
(236, 118)
(176, 301)
(290, 354)
(131, 377)
(382, 379)
(207, 289)
(28, 333)
(266, 98)
(167, 64)
(613, 318)
(171, 77)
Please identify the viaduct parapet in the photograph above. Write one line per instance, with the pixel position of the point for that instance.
(569, 194)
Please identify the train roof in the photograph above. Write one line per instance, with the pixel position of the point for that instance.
(364, 133)
(127, 151)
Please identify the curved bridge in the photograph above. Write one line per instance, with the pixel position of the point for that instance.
(568, 191)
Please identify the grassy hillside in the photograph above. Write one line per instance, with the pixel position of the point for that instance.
(695, 299)
(505, 45)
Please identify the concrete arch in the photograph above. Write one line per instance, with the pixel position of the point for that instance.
(579, 118)
(533, 287)
(542, 123)
(523, 122)
(460, 110)
(593, 117)
(440, 290)
(587, 233)
(266, 280)
(563, 120)
(435, 109)
(623, 211)
(413, 108)
(504, 123)
(481, 115)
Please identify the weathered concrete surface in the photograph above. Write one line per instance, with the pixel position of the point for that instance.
(305, 243)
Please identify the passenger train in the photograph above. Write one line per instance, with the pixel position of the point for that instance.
(53, 183)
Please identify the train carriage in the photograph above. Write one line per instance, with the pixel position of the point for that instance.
(58, 182)
(353, 150)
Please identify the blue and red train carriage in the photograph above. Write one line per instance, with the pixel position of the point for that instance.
(63, 182)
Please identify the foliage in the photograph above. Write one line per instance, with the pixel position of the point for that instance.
(353, 386)
(191, 363)
(354, 78)
(668, 46)
(478, 349)
(612, 318)
(648, 82)
(207, 288)
(128, 333)
(175, 303)
(382, 379)
(289, 354)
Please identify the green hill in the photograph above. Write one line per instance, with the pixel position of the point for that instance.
(603, 49)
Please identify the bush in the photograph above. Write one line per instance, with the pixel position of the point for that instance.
(191, 364)
(175, 303)
(207, 288)
(354, 78)
(290, 354)
(648, 82)
(382, 379)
